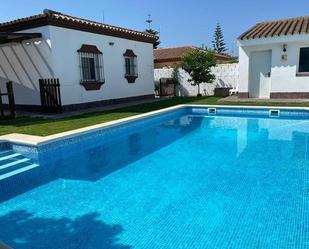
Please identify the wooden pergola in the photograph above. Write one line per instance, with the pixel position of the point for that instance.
(7, 37)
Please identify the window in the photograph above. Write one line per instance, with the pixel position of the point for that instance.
(130, 63)
(91, 65)
(303, 60)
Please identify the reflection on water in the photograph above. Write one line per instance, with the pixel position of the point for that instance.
(263, 137)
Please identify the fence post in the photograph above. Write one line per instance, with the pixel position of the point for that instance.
(10, 93)
(1, 105)
(174, 83)
(59, 95)
(41, 92)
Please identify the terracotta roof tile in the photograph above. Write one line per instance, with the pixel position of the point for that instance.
(304, 28)
(178, 52)
(274, 28)
(50, 17)
(171, 53)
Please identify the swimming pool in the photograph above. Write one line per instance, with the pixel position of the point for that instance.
(182, 179)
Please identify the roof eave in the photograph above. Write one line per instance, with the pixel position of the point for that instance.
(48, 20)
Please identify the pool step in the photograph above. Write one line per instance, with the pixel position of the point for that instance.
(12, 163)
(9, 156)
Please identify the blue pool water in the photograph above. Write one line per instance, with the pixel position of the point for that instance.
(188, 180)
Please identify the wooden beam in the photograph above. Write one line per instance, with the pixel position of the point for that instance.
(7, 37)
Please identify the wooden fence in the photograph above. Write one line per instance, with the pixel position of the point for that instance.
(50, 95)
(10, 111)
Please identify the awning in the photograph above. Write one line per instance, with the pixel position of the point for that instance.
(6, 37)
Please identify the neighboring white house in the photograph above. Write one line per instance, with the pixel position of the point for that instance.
(274, 59)
(96, 63)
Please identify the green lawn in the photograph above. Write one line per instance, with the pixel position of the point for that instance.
(44, 127)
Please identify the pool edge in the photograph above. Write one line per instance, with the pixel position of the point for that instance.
(32, 140)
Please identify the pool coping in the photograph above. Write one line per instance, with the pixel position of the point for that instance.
(32, 140)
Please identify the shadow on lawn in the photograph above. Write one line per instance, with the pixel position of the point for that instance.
(21, 229)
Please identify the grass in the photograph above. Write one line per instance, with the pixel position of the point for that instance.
(44, 127)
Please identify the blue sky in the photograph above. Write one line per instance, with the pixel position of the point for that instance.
(180, 22)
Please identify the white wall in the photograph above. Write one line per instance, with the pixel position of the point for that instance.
(24, 63)
(283, 73)
(55, 55)
(243, 58)
(65, 44)
(226, 76)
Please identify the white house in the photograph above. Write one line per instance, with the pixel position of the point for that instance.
(274, 59)
(96, 64)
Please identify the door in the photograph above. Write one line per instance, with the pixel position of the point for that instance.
(260, 74)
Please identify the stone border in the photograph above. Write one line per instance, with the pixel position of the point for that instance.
(31, 140)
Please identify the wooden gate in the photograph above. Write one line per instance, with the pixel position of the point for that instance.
(50, 95)
(167, 87)
(11, 102)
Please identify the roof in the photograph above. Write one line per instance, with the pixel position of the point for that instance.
(50, 17)
(171, 53)
(177, 52)
(283, 27)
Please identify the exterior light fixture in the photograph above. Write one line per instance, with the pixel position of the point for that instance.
(111, 43)
(284, 48)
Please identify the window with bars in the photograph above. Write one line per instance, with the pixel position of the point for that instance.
(130, 63)
(91, 64)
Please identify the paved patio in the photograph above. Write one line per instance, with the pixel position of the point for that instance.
(240, 100)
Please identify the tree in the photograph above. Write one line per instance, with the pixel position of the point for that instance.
(218, 42)
(153, 32)
(197, 64)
